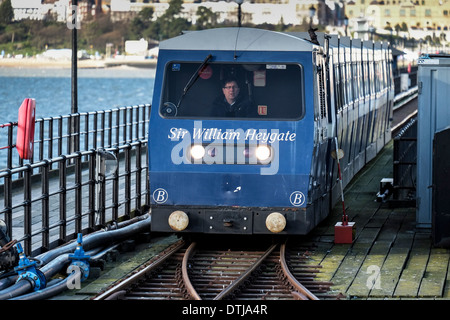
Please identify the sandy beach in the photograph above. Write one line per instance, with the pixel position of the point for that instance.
(87, 63)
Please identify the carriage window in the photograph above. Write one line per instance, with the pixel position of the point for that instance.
(224, 90)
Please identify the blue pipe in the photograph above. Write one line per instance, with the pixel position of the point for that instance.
(50, 291)
(59, 256)
(103, 237)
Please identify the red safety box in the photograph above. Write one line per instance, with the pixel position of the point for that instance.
(344, 233)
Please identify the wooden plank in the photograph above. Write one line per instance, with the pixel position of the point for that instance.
(411, 277)
(446, 293)
(398, 255)
(378, 219)
(368, 277)
(389, 274)
(362, 284)
(353, 260)
(432, 285)
(331, 262)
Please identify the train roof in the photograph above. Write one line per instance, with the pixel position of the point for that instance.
(240, 39)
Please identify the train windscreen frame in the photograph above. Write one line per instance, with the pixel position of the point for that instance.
(265, 91)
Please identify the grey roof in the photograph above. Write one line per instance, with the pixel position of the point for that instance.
(248, 39)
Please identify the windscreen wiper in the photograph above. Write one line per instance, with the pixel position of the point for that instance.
(194, 78)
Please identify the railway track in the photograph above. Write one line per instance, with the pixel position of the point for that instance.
(198, 271)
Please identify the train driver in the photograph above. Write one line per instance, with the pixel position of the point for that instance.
(231, 103)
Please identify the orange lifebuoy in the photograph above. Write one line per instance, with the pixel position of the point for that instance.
(25, 128)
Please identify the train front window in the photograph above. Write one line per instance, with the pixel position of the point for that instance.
(225, 90)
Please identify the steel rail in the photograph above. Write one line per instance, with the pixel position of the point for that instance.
(228, 290)
(187, 282)
(302, 291)
(157, 261)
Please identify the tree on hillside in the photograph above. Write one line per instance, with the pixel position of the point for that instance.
(141, 23)
(206, 18)
(170, 24)
(175, 7)
(146, 14)
(6, 12)
(95, 33)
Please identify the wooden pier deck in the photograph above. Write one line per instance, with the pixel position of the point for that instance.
(390, 258)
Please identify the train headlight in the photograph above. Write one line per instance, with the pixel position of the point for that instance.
(275, 222)
(263, 153)
(197, 151)
(178, 220)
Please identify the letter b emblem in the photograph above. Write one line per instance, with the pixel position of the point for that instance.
(297, 198)
(160, 195)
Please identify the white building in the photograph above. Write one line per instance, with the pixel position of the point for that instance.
(29, 9)
(288, 12)
(292, 12)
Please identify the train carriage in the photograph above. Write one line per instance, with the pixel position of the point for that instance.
(262, 165)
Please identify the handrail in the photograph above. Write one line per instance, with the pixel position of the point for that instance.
(57, 194)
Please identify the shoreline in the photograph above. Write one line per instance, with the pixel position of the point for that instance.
(81, 64)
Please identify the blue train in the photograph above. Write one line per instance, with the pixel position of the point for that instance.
(244, 123)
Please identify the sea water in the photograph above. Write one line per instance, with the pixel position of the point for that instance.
(98, 89)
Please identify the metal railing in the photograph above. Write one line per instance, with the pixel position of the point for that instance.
(98, 129)
(58, 193)
(405, 162)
